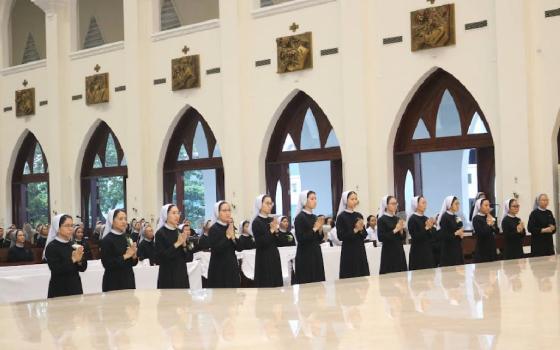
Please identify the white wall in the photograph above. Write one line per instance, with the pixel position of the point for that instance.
(509, 67)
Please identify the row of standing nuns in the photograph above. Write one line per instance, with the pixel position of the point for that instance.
(223, 269)
(171, 250)
(422, 232)
(542, 227)
(390, 230)
(268, 268)
(118, 254)
(64, 260)
(451, 233)
(513, 229)
(485, 228)
(309, 234)
(351, 231)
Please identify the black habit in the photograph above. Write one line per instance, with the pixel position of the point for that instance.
(118, 272)
(245, 242)
(65, 275)
(223, 269)
(393, 258)
(421, 250)
(19, 254)
(147, 250)
(513, 247)
(541, 243)
(309, 258)
(285, 239)
(451, 245)
(268, 268)
(353, 258)
(172, 261)
(485, 249)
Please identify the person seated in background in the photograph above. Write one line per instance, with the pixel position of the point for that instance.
(18, 253)
(81, 240)
(41, 237)
(135, 234)
(8, 238)
(29, 233)
(98, 231)
(146, 247)
(285, 237)
(246, 241)
(1, 237)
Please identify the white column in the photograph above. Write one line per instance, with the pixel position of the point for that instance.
(513, 174)
(354, 96)
(234, 61)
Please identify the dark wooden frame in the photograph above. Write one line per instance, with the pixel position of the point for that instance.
(90, 175)
(20, 181)
(277, 162)
(425, 103)
(173, 170)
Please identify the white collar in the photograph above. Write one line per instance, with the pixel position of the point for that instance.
(283, 231)
(116, 232)
(169, 227)
(61, 240)
(19, 245)
(246, 234)
(418, 214)
(388, 214)
(541, 209)
(307, 211)
(450, 212)
(511, 216)
(480, 214)
(263, 216)
(221, 223)
(148, 240)
(349, 211)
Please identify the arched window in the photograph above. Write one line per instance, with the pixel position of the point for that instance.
(178, 13)
(27, 33)
(30, 184)
(99, 22)
(193, 172)
(443, 146)
(104, 173)
(304, 154)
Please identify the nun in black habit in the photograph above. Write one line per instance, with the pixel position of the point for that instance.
(171, 249)
(268, 268)
(65, 260)
(350, 230)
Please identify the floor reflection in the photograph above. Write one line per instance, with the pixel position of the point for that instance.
(473, 306)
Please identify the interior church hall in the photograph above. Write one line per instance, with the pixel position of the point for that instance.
(279, 174)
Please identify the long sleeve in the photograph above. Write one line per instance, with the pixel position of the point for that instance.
(534, 226)
(417, 229)
(481, 228)
(165, 249)
(385, 231)
(448, 227)
(304, 229)
(218, 241)
(59, 264)
(261, 232)
(509, 228)
(110, 258)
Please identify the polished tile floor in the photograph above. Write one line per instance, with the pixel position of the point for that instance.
(502, 305)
